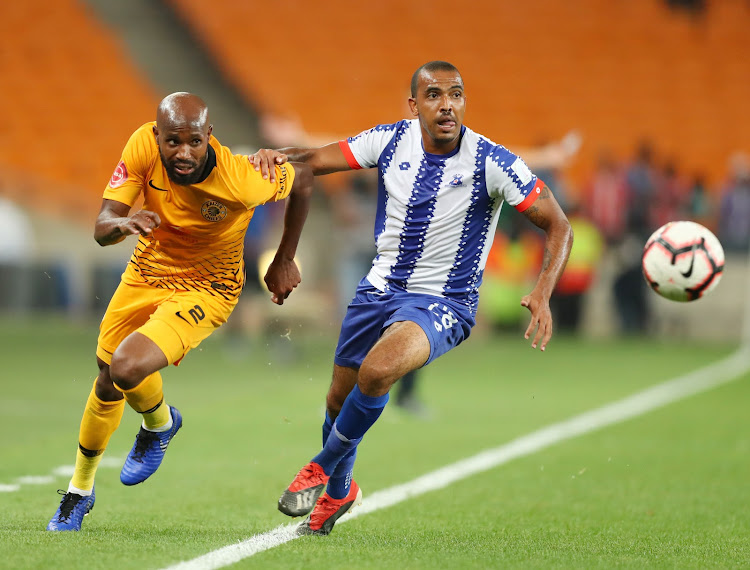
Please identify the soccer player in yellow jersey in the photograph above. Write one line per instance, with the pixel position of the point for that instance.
(182, 281)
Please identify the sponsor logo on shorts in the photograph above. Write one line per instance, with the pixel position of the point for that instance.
(214, 211)
(119, 176)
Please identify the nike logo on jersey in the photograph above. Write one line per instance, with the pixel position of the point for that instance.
(151, 183)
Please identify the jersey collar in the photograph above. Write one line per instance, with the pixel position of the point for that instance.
(209, 166)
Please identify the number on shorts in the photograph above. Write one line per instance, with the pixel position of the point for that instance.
(446, 319)
(196, 312)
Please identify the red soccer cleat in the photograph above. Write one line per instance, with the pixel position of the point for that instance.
(328, 510)
(299, 499)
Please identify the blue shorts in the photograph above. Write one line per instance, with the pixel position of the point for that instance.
(445, 322)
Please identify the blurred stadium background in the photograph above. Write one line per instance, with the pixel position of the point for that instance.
(666, 80)
(657, 93)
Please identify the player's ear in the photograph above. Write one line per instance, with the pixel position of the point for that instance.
(413, 106)
(210, 129)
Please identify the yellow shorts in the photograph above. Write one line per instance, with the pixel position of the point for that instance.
(175, 320)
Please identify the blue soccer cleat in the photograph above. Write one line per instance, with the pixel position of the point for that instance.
(148, 451)
(71, 511)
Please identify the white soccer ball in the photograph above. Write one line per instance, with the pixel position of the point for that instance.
(683, 261)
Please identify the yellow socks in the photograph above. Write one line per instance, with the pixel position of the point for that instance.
(148, 400)
(99, 422)
(101, 419)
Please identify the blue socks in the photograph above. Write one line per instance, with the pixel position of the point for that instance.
(341, 479)
(341, 438)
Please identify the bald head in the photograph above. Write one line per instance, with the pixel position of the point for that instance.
(180, 110)
(183, 135)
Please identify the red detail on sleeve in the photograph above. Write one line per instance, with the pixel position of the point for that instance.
(119, 176)
(350, 160)
(531, 198)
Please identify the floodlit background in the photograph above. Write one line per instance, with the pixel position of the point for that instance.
(634, 112)
(655, 91)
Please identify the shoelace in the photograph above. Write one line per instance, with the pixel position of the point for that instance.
(143, 441)
(69, 502)
(311, 476)
(324, 509)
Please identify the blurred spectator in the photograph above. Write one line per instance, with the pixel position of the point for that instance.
(567, 301)
(18, 244)
(734, 217)
(607, 199)
(699, 206)
(548, 159)
(16, 234)
(641, 182)
(669, 202)
(630, 289)
(693, 6)
(353, 206)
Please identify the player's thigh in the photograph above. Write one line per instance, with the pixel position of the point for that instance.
(362, 325)
(183, 321)
(129, 309)
(403, 347)
(445, 323)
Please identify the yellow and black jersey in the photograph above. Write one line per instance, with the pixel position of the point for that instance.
(199, 244)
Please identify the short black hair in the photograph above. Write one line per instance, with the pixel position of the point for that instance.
(430, 66)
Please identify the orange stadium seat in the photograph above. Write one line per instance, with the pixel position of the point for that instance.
(617, 71)
(71, 98)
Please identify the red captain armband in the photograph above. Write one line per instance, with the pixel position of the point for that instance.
(531, 198)
(349, 156)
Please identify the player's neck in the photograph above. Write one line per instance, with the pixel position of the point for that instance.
(431, 146)
(440, 147)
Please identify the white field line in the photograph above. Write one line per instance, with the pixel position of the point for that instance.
(61, 471)
(711, 376)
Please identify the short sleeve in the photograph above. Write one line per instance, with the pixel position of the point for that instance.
(364, 150)
(509, 178)
(135, 163)
(249, 185)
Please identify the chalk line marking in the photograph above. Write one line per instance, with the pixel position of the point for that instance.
(61, 471)
(660, 395)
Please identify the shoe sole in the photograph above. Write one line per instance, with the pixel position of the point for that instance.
(300, 503)
(304, 528)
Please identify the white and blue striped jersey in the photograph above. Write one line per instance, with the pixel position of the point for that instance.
(436, 214)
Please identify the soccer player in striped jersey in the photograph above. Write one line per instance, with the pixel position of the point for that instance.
(182, 281)
(441, 186)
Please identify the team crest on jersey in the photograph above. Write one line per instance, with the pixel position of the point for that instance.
(119, 176)
(214, 211)
(457, 180)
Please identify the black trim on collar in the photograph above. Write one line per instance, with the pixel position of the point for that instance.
(209, 166)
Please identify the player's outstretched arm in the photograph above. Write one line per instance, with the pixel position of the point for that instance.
(283, 274)
(322, 160)
(113, 223)
(546, 214)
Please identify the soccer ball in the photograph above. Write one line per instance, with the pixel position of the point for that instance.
(683, 261)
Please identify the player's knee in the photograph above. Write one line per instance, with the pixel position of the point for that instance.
(105, 388)
(376, 378)
(125, 371)
(334, 403)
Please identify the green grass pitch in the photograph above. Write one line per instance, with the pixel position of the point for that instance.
(668, 489)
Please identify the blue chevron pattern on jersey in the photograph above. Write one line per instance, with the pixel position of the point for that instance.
(437, 213)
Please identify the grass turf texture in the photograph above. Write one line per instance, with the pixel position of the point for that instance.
(667, 489)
